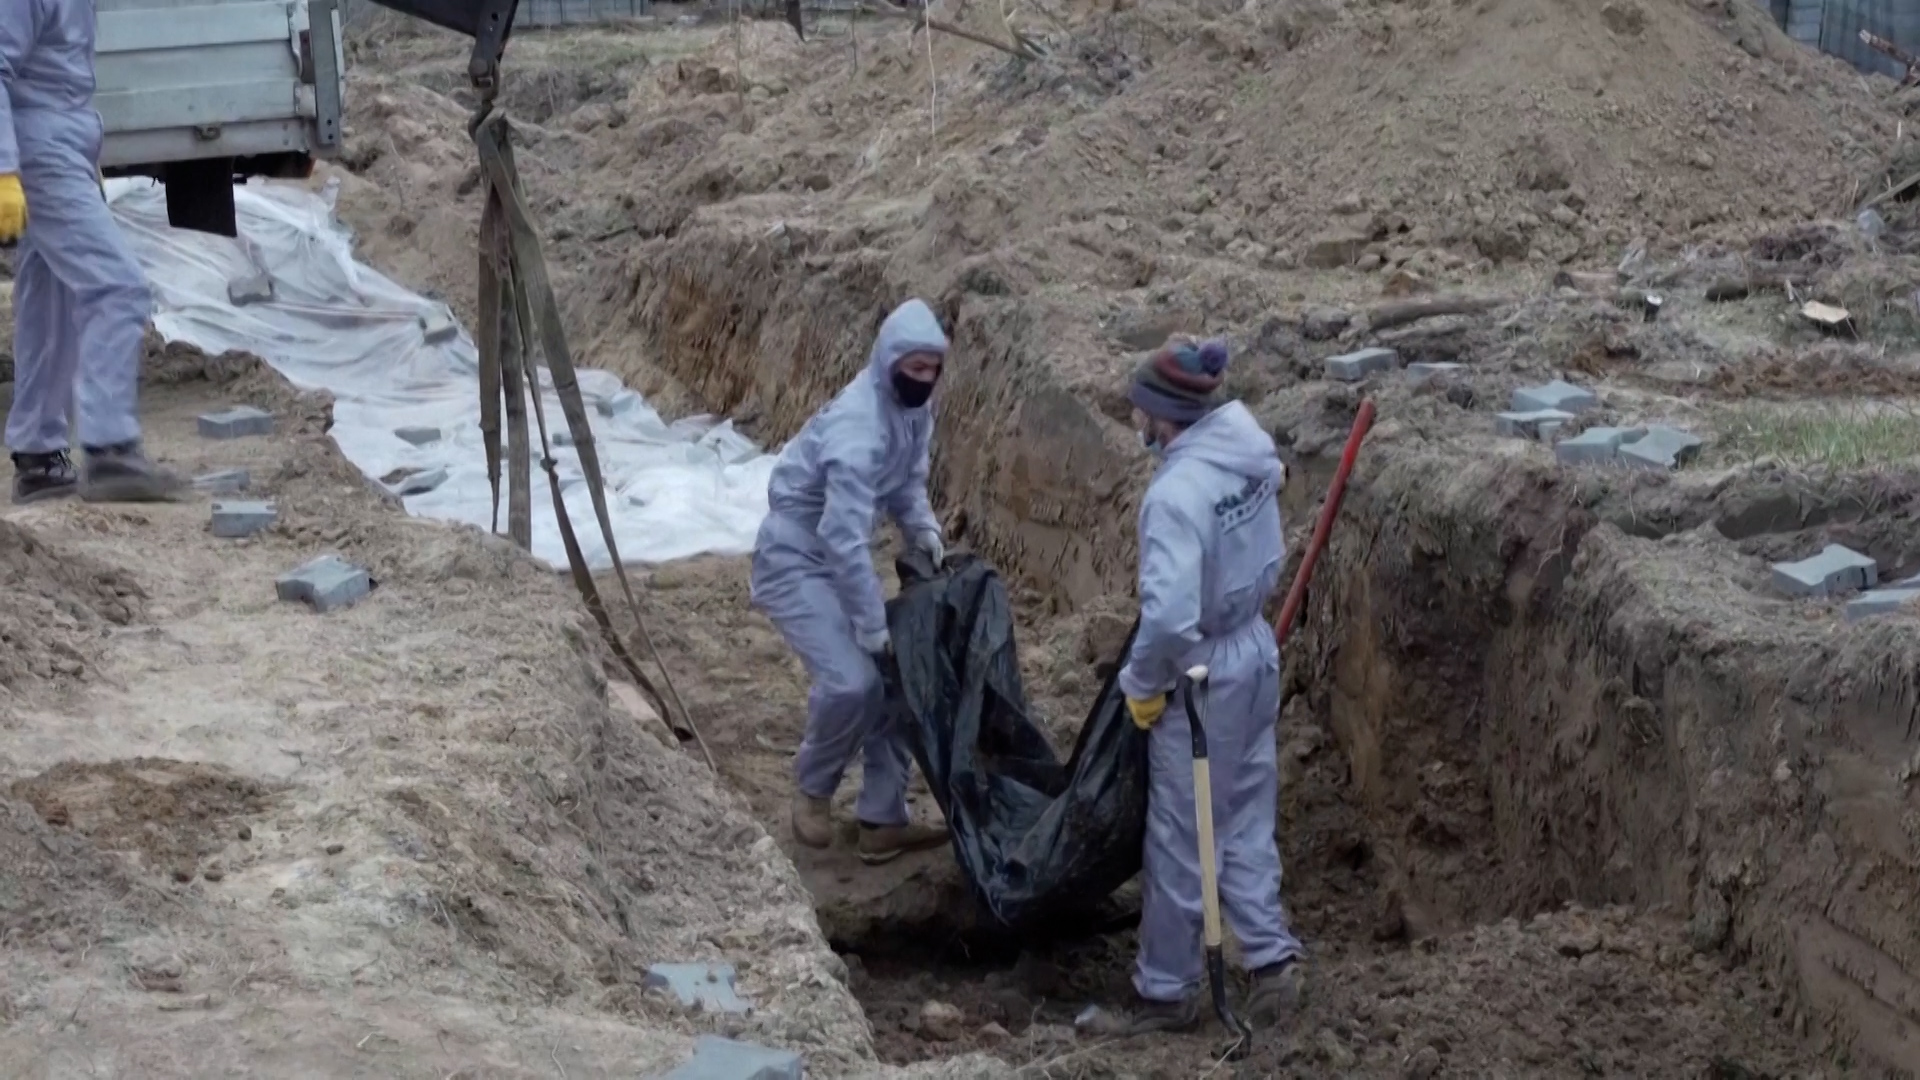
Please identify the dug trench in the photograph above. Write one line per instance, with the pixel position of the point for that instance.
(1566, 790)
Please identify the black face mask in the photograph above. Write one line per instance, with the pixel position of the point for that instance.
(911, 391)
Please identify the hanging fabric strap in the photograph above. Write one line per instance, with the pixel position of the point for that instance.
(517, 313)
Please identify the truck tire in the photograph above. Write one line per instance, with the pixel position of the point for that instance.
(200, 196)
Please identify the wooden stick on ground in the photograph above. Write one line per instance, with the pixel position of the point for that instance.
(1388, 316)
(1023, 49)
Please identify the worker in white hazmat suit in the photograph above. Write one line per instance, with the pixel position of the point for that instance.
(813, 575)
(1211, 552)
(80, 302)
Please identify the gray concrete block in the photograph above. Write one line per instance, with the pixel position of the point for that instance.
(1526, 425)
(236, 423)
(715, 1058)
(253, 289)
(328, 583)
(708, 987)
(237, 519)
(1883, 602)
(439, 327)
(1834, 571)
(1557, 394)
(421, 482)
(418, 436)
(1548, 431)
(1660, 449)
(223, 481)
(1421, 372)
(1354, 366)
(1595, 445)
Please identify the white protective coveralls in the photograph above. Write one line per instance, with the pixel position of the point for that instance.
(1211, 552)
(80, 301)
(813, 568)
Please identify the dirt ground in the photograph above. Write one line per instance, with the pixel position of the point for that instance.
(405, 839)
(1568, 790)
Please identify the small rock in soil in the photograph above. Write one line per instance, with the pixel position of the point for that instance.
(1336, 1052)
(1405, 283)
(1424, 1064)
(994, 1033)
(1323, 324)
(1711, 921)
(1578, 942)
(939, 1020)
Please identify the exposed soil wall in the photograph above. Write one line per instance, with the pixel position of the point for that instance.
(1026, 467)
(1547, 690)
(1535, 686)
(1537, 708)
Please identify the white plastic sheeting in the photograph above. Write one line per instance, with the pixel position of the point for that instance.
(674, 490)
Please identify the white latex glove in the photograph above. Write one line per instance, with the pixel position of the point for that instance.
(930, 542)
(875, 643)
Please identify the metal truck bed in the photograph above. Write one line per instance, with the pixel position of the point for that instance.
(199, 92)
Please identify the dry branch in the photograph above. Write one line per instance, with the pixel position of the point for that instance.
(1387, 316)
(1022, 49)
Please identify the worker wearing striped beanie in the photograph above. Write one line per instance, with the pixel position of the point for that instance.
(1211, 549)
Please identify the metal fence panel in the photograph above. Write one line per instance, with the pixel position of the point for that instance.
(551, 13)
(1802, 19)
(536, 14)
(1834, 26)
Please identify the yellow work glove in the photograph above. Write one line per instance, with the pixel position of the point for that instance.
(1146, 711)
(13, 208)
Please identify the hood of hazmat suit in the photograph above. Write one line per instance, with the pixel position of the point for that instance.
(862, 453)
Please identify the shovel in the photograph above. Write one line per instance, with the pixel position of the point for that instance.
(1209, 872)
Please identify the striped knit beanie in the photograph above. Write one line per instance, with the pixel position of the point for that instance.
(1180, 383)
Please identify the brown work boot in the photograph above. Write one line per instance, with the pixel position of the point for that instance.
(812, 821)
(123, 473)
(39, 477)
(885, 843)
(1276, 994)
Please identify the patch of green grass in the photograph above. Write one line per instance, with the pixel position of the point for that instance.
(1836, 436)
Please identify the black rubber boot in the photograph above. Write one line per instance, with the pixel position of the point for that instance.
(39, 477)
(1144, 1018)
(1275, 999)
(123, 473)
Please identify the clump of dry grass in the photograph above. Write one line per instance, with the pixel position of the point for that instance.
(1837, 436)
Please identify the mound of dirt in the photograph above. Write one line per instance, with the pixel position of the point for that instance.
(242, 378)
(1507, 130)
(51, 882)
(55, 608)
(167, 815)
